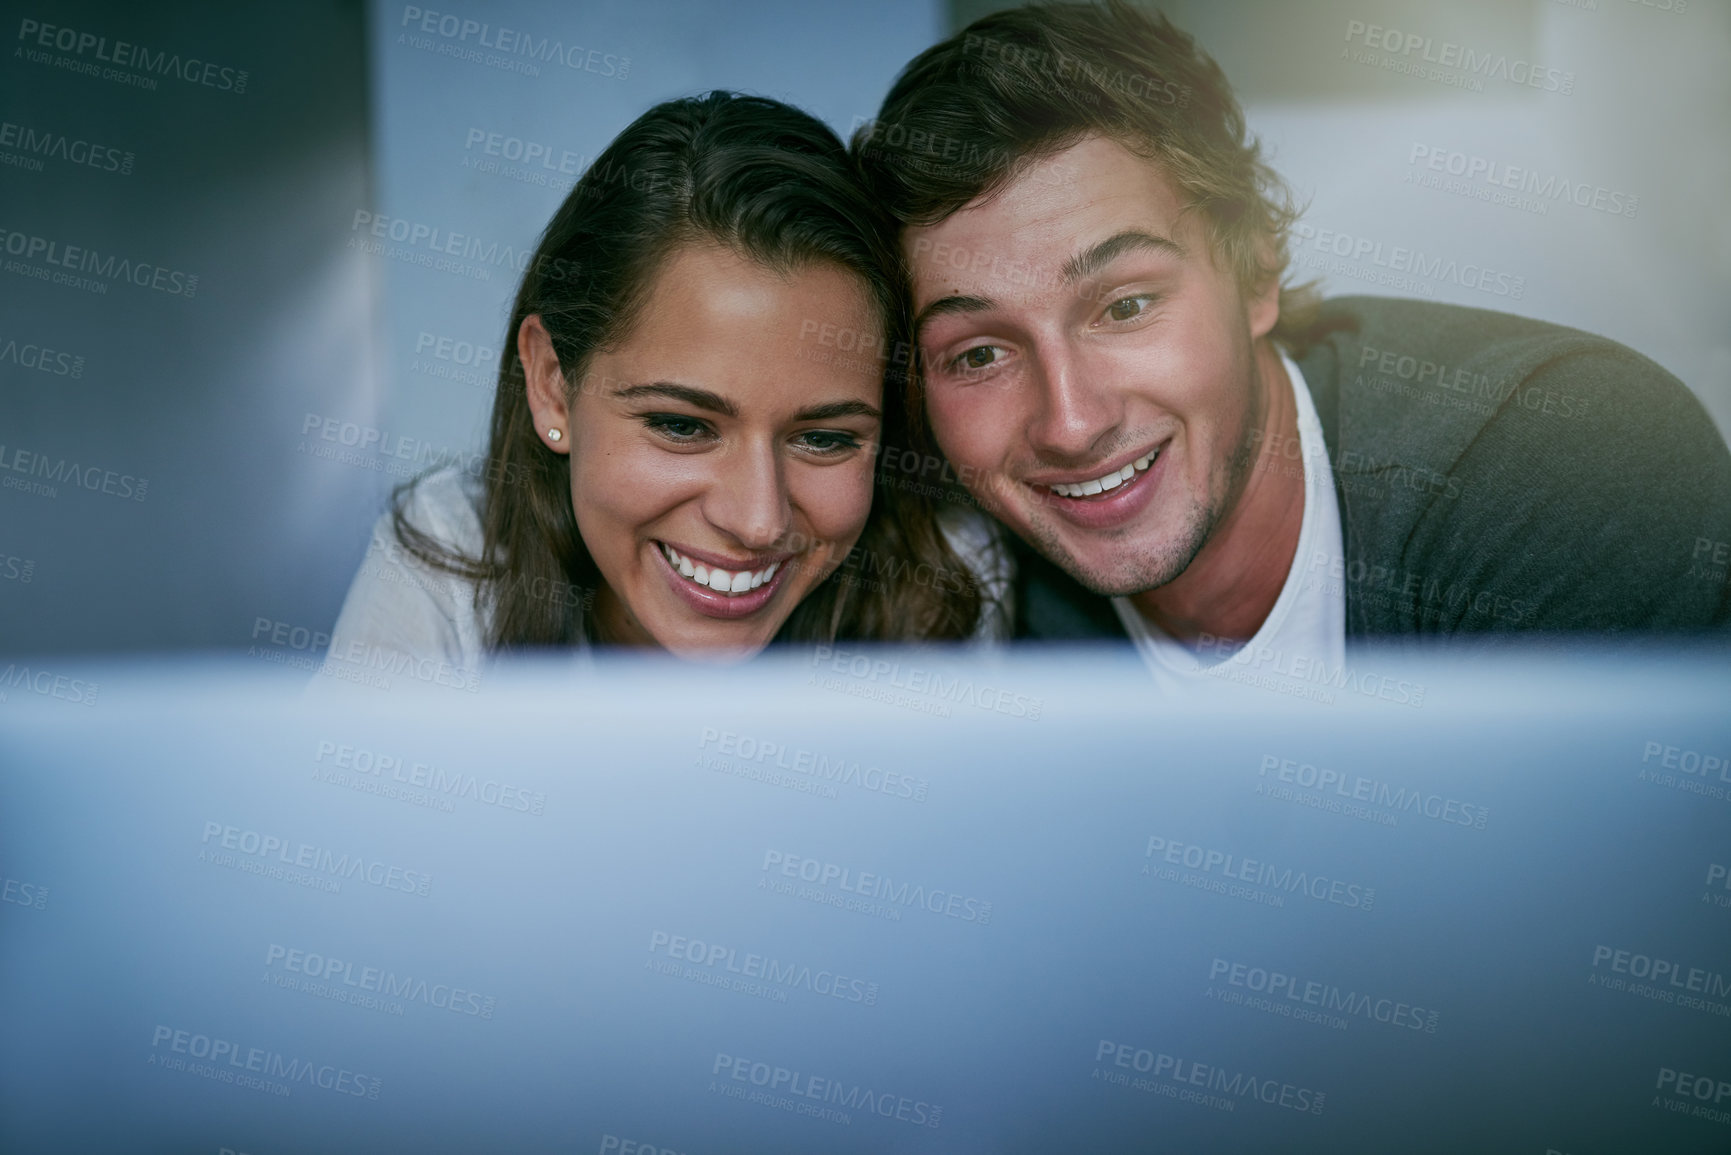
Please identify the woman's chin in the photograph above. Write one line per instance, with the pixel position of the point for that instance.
(716, 656)
(711, 646)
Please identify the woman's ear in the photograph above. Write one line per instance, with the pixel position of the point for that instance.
(545, 384)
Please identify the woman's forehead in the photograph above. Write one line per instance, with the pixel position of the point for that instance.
(720, 320)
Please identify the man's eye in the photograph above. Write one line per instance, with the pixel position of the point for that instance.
(676, 428)
(979, 357)
(1129, 308)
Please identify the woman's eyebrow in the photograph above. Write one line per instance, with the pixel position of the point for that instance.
(838, 409)
(716, 403)
(690, 394)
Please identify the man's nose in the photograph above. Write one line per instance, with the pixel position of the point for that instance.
(1073, 409)
(747, 499)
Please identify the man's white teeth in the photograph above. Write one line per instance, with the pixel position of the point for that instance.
(720, 580)
(1111, 481)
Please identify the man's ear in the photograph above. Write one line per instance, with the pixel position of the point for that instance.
(545, 384)
(1262, 302)
(1262, 298)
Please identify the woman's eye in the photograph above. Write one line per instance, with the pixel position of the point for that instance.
(676, 428)
(979, 357)
(1129, 308)
(829, 440)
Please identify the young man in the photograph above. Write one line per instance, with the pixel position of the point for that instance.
(1217, 466)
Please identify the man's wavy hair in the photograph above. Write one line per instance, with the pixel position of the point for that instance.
(969, 115)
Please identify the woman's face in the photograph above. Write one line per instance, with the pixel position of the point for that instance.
(722, 455)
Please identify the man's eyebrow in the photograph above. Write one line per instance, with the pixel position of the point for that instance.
(836, 409)
(690, 394)
(1096, 257)
(954, 303)
(1084, 263)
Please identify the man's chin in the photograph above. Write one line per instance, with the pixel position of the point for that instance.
(1117, 563)
(1120, 568)
(1115, 583)
(1114, 575)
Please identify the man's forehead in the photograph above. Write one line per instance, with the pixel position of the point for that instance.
(1065, 202)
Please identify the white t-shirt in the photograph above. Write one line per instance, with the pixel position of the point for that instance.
(403, 617)
(1305, 632)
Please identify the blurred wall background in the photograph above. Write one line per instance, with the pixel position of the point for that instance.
(175, 181)
(195, 463)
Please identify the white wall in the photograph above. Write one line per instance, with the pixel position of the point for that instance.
(1649, 116)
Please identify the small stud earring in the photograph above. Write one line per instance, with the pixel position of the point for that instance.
(554, 435)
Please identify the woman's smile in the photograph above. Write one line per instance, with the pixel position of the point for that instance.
(735, 590)
(726, 471)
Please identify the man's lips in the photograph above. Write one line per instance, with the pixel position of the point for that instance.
(1092, 483)
(1108, 500)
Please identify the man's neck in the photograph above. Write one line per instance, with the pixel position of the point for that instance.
(1230, 587)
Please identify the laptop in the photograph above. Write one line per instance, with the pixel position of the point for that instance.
(858, 900)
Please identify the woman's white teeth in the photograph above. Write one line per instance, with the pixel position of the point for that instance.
(1111, 481)
(720, 580)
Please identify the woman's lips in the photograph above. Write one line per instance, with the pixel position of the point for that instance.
(721, 593)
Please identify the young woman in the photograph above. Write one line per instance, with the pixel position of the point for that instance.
(686, 426)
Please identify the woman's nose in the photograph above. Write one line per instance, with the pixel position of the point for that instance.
(747, 499)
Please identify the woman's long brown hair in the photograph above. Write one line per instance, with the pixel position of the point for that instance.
(777, 185)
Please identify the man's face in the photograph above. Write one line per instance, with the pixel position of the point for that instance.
(1088, 368)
